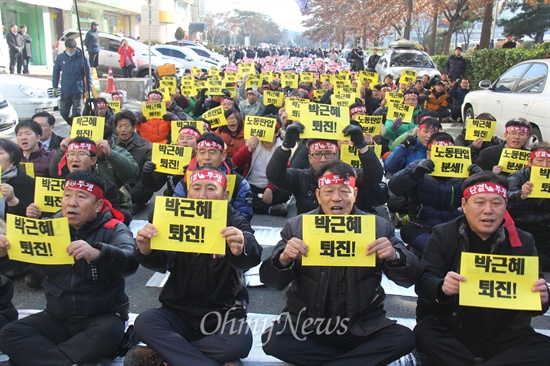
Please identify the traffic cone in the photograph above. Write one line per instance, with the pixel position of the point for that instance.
(110, 82)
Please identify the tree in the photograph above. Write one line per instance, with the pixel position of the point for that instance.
(180, 34)
(531, 21)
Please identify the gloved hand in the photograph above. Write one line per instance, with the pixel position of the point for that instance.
(292, 134)
(424, 166)
(141, 119)
(396, 124)
(55, 93)
(409, 141)
(356, 136)
(474, 169)
(202, 93)
(170, 117)
(148, 168)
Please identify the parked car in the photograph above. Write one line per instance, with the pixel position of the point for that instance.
(28, 95)
(405, 55)
(8, 117)
(201, 50)
(185, 56)
(109, 57)
(522, 91)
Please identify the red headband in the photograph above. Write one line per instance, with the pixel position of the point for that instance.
(323, 145)
(335, 179)
(82, 146)
(227, 99)
(357, 110)
(189, 131)
(540, 154)
(412, 95)
(517, 128)
(427, 125)
(96, 191)
(210, 144)
(208, 175)
(385, 88)
(440, 143)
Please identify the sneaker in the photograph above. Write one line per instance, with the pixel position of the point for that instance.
(279, 210)
(143, 356)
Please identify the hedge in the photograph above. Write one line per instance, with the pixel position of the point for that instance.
(490, 64)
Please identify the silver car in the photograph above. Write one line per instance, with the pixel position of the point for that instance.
(8, 117)
(28, 95)
(395, 59)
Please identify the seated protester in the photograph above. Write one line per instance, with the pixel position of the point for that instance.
(86, 304)
(388, 82)
(173, 109)
(372, 98)
(253, 104)
(153, 181)
(8, 312)
(274, 85)
(423, 93)
(102, 109)
(359, 109)
(48, 138)
(432, 200)
(302, 182)
(228, 103)
(138, 147)
(17, 192)
(396, 128)
(183, 331)
(532, 214)
(118, 96)
(437, 101)
(233, 133)
(477, 145)
(154, 129)
(414, 146)
(28, 135)
(210, 152)
(320, 297)
(450, 334)
(203, 104)
(458, 92)
(252, 159)
(515, 137)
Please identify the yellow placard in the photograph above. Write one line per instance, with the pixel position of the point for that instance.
(327, 77)
(512, 160)
(350, 155)
(342, 99)
(29, 168)
(293, 106)
(307, 77)
(169, 83)
(342, 83)
(215, 86)
(38, 241)
(153, 110)
(253, 79)
(338, 240)
(232, 91)
(231, 181)
(451, 161)
(263, 127)
(213, 71)
(247, 68)
(355, 91)
(290, 80)
(92, 127)
(370, 76)
(370, 124)
(541, 182)
(177, 125)
(196, 71)
(166, 70)
(476, 128)
(230, 77)
(499, 281)
(318, 94)
(398, 110)
(200, 84)
(216, 117)
(274, 97)
(344, 74)
(189, 225)
(165, 93)
(394, 97)
(48, 193)
(323, 121)
(267, 76)
(408, 76)
(115, 105)
(171, 159)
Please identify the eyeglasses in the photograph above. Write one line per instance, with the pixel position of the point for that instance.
(231, 118)
(516, 133)
(327, 154)
(81, 155)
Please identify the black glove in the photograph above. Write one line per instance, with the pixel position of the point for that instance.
(169, 117)
(292, 134)
(356, 136)
(474, 169)
(141, 119)
(202, 93)
(148, 168)
(424, 166)
(409, 141)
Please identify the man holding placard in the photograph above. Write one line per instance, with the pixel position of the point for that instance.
(86, 303)
(335, 311)
(480, 279)
(529, 199)
(202, 320)
(32, 151)
(478, 134)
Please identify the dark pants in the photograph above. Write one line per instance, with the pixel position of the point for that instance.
(94, 58)
(454, 347)
(127, 70)
(16, 59)
(42, 340)
(140, 196)
(383, 347)
(70, 102)
(26, 61)
(443, 112)
(180, 344)
(416, 234)
(259, 206)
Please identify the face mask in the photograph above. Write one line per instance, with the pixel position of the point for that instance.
(70, 53)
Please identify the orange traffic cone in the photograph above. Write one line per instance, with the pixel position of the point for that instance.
(110, 82)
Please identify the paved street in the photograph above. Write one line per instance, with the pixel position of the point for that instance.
(264, 303)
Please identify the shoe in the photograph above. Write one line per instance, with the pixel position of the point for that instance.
(143, 356)
(33, 281)
(279, 210)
